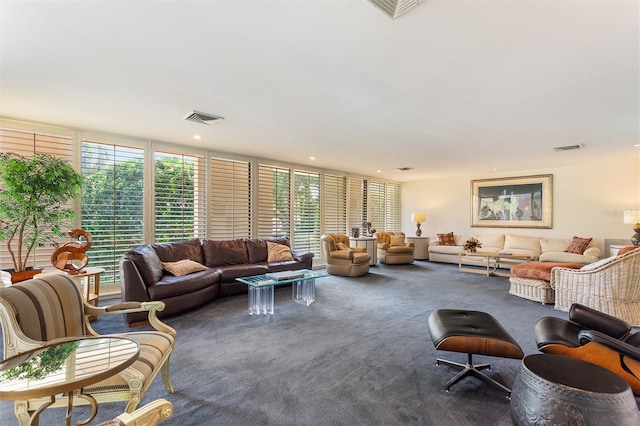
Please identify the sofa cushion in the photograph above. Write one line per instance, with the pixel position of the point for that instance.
(286, 265)
(554, 244)
(183, 267)
(229, 273)
(563, 256)
(172, 252)
(147, 262)
(524, 242)
(223, 253)
(626, 249)
(491, 240)
(446, 239)
(172, 286)
(278, 252)
(257, 248)
(578, 245)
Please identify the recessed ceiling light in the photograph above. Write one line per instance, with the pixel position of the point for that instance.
(637, 145)
(198, 137)
(312, 158)
(378, 171)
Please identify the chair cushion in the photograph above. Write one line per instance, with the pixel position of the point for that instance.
(539, 270)
(397, 240)
(47, 308)
(153, 347)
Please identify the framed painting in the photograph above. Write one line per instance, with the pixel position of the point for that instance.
(515, 202)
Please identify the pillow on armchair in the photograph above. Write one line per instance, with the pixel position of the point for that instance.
(397, 240)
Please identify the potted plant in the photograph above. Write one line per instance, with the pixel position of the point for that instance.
(472, 245)
(34, 192)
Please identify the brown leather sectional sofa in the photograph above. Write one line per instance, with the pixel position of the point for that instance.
(144, 279)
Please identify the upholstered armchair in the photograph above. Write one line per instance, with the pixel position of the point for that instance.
(594, 337)
(40, 310)
(610, 285)
(149, 415)
(342, 259)
(392, 249)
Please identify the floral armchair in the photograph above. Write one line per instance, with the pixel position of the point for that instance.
(392, 248)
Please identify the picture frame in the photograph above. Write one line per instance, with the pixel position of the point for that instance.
(355, 232)
(513, 202)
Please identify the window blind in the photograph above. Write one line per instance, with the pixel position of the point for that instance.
(274, 188)
(179, 197)
(230, 215)
(306, 212)
(357, 202)
(335, 204)
(112, 203)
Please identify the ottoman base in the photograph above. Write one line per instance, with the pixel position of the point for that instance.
(471, 369)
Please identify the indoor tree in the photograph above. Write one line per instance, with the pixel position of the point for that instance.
(34, 192)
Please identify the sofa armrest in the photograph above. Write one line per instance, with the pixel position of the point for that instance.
(304, 258)
(132, 286)
(593, 251)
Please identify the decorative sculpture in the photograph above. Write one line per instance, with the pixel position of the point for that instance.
(71, 257)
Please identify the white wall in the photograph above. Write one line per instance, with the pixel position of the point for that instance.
(588, 201)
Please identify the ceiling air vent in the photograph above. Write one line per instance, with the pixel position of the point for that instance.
(403, 169)
(568, 147)
(202, 117)
(394, 8)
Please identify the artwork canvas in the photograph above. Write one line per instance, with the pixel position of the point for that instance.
(516, 202)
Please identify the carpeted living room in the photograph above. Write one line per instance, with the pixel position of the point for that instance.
(256, 132)
(361, 354)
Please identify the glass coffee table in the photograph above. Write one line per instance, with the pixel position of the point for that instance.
(303, 288)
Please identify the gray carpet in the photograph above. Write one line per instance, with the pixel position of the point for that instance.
(360, 355)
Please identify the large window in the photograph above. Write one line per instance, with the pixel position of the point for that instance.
(357, 202)
(179, 197)
(26, 143)
(112, 203)
(306, 212)
(230, 199)
(384, 206)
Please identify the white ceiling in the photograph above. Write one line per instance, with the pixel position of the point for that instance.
(450, 87)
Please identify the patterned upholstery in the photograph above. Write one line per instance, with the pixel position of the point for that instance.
(52, 307)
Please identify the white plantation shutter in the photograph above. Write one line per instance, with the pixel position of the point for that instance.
(356, 203)
(230, 213)
(377, 206)
(335, 204)
(306, 212)
(179, 197)
(26, 143)
(274, 186)
(112, 204)
(392, 207)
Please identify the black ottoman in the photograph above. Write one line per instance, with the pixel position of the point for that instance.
(471, 332)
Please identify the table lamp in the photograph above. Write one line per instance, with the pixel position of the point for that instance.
(417, 218)
(632, 217)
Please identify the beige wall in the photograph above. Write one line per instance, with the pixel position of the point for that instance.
(588, 201)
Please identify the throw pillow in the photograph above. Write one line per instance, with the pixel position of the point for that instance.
(397, 240)
(342, 246)
(446, 239)
(183, 267)
(626, 249)
(278, 252)
(578, 245)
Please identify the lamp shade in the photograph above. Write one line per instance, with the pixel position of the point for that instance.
(632, 216)
(418, 217)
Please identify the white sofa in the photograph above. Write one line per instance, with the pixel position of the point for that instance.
(540, 249)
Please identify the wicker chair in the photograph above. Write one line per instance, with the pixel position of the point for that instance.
(610, 285)
(39, 310)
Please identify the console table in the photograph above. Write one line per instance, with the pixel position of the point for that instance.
(370, 244)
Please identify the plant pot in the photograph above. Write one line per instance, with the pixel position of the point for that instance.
(29, 273)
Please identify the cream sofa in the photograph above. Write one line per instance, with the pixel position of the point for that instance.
(540, 249)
